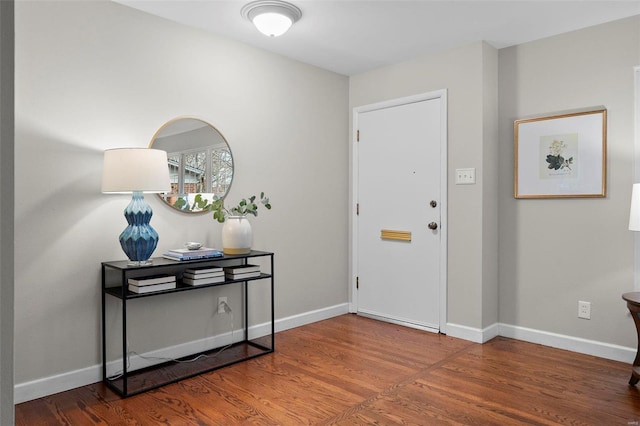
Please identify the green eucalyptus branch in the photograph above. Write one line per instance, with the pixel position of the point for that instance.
(244, 207)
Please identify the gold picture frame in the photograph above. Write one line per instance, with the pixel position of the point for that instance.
(561, 156)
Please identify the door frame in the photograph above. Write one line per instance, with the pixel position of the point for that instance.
(441, 95)
(636, 177)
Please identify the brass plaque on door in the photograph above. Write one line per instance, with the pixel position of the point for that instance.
(388, 234)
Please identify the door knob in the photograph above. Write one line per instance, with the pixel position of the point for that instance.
(432, 226)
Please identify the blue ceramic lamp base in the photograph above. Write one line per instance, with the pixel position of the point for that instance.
(139, 239)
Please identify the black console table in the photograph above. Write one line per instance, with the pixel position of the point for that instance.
(115, 276)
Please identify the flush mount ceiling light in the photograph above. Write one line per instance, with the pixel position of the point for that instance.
(271, 17)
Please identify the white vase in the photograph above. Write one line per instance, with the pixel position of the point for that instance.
(237, 236)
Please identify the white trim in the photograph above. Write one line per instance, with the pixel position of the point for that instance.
(62, 382)
(353, 267)
(554, 340)
(310, 317)
(636, 168)
(353, 217)
(569, 343)
(473, 334)
(137, 361)
(399, 321)
(444, 208)
(636, 172)
(59, 383)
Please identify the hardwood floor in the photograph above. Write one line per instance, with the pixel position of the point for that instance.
(351, 370)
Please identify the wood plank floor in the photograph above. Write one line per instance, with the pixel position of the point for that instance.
(351, 370)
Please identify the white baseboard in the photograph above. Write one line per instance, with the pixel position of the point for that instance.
(399, 321)
(62, 382)
(569, 343)
(473, 334)
(311, 317)
(34, 389)
(137, 361)
(59, 383)
(554, 340)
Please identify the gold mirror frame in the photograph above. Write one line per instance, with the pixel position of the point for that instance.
(200, 163)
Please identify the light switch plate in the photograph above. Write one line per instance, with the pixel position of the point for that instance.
(466, 176)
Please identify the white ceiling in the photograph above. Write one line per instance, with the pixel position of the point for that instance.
(354, 36)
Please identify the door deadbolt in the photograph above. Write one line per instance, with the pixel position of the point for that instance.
(433, 203)
(432, 226)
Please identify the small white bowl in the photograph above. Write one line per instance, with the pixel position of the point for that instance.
(193, 245)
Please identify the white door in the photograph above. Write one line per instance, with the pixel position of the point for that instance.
(399, 225)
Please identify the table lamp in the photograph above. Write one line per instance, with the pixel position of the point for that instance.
(634, 214)
(136, 171)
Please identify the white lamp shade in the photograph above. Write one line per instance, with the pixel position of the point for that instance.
(634, 214)
(272, 24)
(127, 170)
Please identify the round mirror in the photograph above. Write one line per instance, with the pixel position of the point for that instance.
(200, 163)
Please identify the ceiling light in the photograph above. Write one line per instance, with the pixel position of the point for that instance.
(271, 17)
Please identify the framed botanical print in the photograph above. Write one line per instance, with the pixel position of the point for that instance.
(561, 156)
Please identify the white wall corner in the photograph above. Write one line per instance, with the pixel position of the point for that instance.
(473, 334)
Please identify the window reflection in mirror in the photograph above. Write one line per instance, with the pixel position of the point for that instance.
(199, 161)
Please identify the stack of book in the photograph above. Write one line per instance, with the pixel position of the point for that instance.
(150, 284)
(200, 276)
(186, 254)
(240, 272)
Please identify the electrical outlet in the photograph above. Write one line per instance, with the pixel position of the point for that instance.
(221, 303)
(584, 310)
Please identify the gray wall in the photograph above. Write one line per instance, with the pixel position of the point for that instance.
(556, 252)
(97, 75)
(6, 210)
(467, 73)
(552, 253)
(490, 168)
